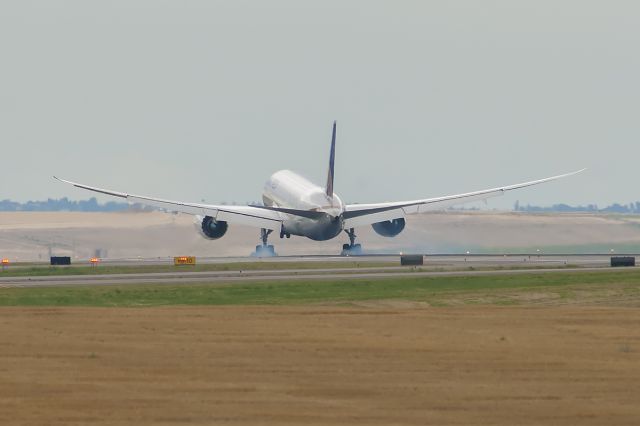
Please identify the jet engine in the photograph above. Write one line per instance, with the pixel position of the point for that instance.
(210, 228)
(389, 228)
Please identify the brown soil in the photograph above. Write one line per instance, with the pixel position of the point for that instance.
(320, 365)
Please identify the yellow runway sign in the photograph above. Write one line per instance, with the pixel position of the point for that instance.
(184, 260)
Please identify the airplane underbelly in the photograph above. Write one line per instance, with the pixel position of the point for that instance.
(317, 230)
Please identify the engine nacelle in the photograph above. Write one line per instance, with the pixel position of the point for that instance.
(389, 228)
(212, 229)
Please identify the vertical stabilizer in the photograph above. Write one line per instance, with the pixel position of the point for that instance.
(332, 158)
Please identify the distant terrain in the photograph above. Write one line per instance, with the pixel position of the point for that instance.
(28, 236)
(92, 205)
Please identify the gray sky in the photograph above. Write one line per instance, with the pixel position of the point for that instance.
(195, 100)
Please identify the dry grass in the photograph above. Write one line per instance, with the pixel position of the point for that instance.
(393, 364)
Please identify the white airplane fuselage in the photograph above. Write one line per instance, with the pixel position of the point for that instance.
(286, 189)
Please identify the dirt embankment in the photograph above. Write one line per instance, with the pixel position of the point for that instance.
(36, 235)
(319, 365)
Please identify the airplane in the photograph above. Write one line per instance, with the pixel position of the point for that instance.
(295, 206)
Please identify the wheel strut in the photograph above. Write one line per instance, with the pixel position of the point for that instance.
(352, 236)
(264, 235)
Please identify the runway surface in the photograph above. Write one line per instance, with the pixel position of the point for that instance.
(439, 259)
(434, 266)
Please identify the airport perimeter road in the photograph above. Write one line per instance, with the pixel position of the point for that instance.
(223, 277)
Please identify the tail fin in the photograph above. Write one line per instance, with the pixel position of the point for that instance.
(332, 157)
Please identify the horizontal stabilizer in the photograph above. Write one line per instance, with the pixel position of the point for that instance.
(309, 214)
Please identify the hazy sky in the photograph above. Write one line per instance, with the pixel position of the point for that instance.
(194, 100)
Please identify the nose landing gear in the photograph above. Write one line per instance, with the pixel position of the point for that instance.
(352, 248)
(264, 249)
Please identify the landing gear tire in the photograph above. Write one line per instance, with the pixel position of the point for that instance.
(264, 249)
(351, 249)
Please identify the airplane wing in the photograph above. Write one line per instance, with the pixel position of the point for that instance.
(243, 215)
(366, 214)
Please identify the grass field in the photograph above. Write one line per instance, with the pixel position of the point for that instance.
(447, 350)
(319, 365)
(46, 270)
(620, 287)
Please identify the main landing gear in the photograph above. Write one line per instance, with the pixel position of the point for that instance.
(264, 249)
(352, 248)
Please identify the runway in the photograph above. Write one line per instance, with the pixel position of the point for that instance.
(430, 259)
(449, 265)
